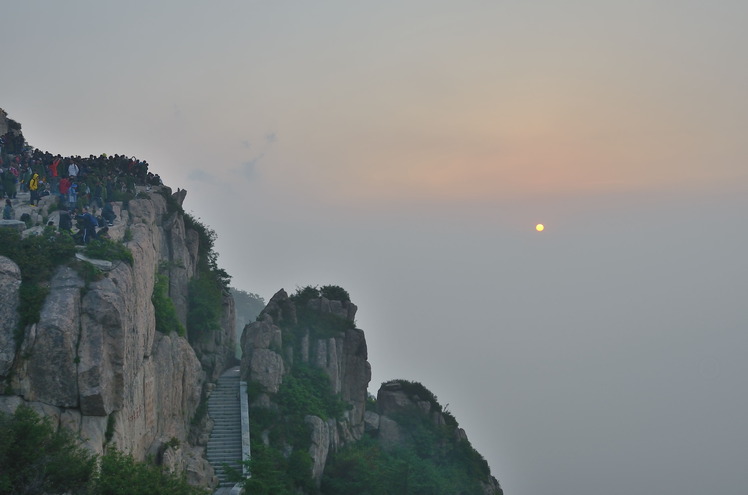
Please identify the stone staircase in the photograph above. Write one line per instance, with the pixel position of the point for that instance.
(225, 443)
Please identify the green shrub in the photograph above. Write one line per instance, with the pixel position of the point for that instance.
(87, 271)
(205, 306)
(307, 391)
(335, 293)
(365, 467)
(110, 424)
(270, 472)
(32, 298)
(123, 196)
(37, 256)
(120, 474)
(166, 313)
(305, 294)
(206, 290)
(320, 325)
(107, 249)
(37, 458)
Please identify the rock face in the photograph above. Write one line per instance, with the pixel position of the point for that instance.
(96, 364)
(394, 399)
(10, 283)
(3, 122)
(266, 359)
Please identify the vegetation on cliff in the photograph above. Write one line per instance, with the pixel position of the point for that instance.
(166, 315)
(281, 435)
(37, 457)
(208, 288)
(36, 256)
(431, 456)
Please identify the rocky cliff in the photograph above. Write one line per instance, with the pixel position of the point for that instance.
(294, 334)
(343, 357)
(95, 363)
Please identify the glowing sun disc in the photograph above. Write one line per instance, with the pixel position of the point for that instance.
(540, 227)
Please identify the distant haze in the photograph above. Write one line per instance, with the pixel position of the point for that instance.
(406, 151)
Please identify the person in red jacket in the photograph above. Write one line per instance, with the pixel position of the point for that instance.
(54, 177)
(64, 188)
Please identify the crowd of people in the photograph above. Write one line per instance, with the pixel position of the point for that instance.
(78, 184)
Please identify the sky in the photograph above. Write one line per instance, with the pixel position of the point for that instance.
(406, 150)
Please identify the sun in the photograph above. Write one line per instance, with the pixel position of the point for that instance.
(540, 227)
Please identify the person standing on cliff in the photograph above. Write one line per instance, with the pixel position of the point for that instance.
(73, 170)
(66, 223)
(34, 189)
(64, 189)
(73, 195)
(89, 225)
(8, 210)
(54, 178)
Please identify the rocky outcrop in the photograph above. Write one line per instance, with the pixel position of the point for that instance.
(96, 364)
(3, 122)
(216, 350)
(394, 399)
(266, 359)
(265, 364)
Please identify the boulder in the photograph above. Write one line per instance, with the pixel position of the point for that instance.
(392, 399)
(264, 367)
(13, 224)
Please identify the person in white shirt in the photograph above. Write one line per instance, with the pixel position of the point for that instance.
(73, 169)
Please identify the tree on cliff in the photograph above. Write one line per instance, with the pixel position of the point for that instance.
(36, 457)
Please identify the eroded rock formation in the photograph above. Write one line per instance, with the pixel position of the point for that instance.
(266, 359)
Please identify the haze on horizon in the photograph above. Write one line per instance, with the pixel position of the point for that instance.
(407, 150)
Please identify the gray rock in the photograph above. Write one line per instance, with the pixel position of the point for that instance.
(266, 368)
(320, 445)
(100, 264)
(43, 410)
(52, 369)
(262, 335)
(9, 403)
(371, 421)
(390, 433)
(13, 224)
(71, 419)
(392, 399)
(103, 349)
(10, 284)
(280, 309)
(93, 433)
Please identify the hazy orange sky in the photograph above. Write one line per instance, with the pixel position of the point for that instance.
(406, 150)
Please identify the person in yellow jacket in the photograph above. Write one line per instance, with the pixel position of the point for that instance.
(34, 190)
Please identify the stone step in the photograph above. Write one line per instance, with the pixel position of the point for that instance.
(225, 442)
